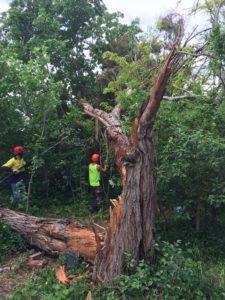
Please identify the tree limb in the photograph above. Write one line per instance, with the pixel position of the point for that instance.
(116, 112)
(170, 98)
(124, 151)
(192, 35)
(159, 87)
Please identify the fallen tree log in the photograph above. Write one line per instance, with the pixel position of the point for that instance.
(52, 235)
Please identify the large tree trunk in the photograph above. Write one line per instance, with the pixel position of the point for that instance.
(131, 221)
(52, 235)
(131, 226)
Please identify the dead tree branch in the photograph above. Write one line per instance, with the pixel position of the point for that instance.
(124, 151)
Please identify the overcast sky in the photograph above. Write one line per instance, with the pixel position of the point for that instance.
(147, 11)
(4, 5)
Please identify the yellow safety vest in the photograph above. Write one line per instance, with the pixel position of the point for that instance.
(94, 175)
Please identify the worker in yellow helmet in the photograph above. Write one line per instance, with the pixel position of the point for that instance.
(95, 171)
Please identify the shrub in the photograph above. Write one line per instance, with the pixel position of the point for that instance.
(11, 241)
(46, 287)
(175, 275)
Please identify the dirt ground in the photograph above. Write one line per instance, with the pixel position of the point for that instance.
(10, 280)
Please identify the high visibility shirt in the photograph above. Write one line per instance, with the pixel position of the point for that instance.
(94, 175)
(15, 164)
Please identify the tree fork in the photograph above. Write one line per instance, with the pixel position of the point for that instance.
(131, 225)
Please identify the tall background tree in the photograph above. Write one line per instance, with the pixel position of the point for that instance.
(52, 53)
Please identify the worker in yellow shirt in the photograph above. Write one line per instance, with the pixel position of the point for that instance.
(16, 167)
(95, 171)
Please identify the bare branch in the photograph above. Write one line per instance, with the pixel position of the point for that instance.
(216, 10)
(196, 55)
(96, 113)
(170, 98)
(159, 87)
(116, 112)
(181, 58)
(209, 8)
(191, 37)
(124, 151)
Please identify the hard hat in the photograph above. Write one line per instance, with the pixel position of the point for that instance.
(18, 150)
(95, 157)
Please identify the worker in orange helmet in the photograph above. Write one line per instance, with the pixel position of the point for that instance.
(95, 171)
(15, 166)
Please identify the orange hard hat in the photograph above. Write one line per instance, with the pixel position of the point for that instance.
(95, 157)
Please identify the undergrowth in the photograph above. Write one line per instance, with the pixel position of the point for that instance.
(11, 242)
(175, 275)
(188, 265)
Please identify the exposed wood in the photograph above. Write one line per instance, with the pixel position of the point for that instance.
(96, 129)
(7, 269)
(124, 152)
(65, 280)
(89, 296)
(99, 226)
(35, 256)
(61, 276)
(37, 264)
(52, 235)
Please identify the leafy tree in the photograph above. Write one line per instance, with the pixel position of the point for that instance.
(75, 34)
(50, 50)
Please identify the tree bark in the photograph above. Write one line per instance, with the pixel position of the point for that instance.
(52, 235)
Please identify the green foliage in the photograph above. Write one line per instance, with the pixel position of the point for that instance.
(175, 275)
(190, 154)
(46, 287)
(216, 45)
(11, 242)
(49, 50)
(134, 78)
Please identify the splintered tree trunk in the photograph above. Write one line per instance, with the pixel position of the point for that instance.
(131, 226)
(52, 235)
(133, 216)
(131, 221)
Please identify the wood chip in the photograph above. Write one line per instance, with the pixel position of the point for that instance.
(89, 296)
(61, 276)
(35, 256)
(38, 264)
